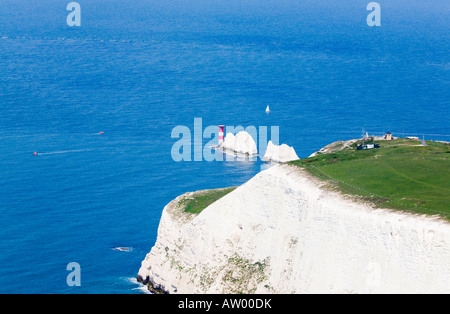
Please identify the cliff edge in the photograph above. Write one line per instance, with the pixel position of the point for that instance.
(285, 232)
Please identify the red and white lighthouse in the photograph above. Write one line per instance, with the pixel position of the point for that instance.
(221, 133)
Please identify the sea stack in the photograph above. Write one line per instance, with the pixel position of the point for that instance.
(241, 143)
(279, 153)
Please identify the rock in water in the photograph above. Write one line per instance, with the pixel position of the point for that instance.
(241, 143)
(279, 153)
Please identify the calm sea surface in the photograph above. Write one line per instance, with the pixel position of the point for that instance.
(136, 69)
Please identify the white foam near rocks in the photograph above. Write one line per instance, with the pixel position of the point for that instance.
(279, 153)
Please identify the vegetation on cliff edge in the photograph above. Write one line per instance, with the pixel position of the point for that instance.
(401, 174)
(196, 203)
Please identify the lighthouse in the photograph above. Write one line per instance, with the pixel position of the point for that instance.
(221, 132)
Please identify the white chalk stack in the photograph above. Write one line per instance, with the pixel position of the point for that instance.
(279, 153)
(241, 143)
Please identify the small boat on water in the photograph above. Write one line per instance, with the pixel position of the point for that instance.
(267, 109)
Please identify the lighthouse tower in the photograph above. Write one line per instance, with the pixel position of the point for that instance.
(221, 132)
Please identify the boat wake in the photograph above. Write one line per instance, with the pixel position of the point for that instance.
(62, 152)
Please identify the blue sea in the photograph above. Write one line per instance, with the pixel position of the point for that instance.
(136, 69)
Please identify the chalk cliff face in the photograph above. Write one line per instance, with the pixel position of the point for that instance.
(282, 232)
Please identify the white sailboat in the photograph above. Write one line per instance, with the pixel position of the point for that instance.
(267, 109)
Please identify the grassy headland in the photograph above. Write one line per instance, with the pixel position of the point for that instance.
(401, 174)
(202, 199)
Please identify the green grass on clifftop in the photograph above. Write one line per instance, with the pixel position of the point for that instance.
(401, 174)
(202, 199)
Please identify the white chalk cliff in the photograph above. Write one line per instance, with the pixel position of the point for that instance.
(241, 143)
(283, 232)
(279, 153)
